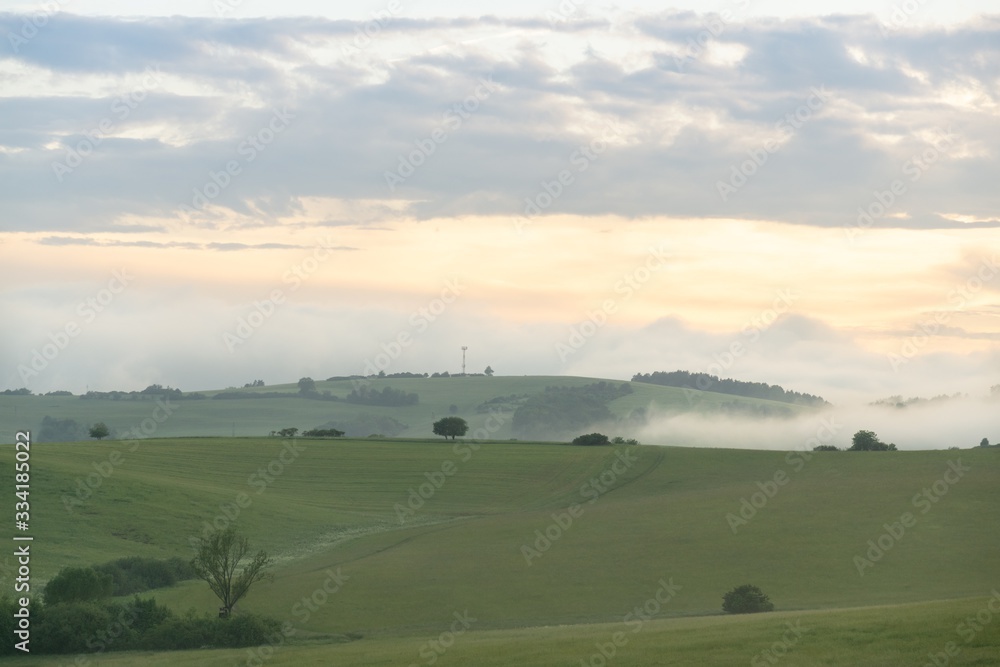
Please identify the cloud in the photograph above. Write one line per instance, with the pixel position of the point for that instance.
(184, 245)
(683, 130)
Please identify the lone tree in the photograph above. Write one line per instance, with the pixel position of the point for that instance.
(746, 599)
(489, 371)
(592, 439)
(99, 431)
(450, 427)
(307, 386)
(225, 562)
(867, 441)
(985, 442)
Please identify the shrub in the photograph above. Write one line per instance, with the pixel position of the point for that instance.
(70, 627)
(135, 574)
(825, 448)
(193, 631)
(592, 439)
(78, 584)
(746, 599)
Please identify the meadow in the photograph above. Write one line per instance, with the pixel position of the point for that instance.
(548, 547)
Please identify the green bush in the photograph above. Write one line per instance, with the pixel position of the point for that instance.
(746, 599)
(592, 439)
(70, 627)
(192, 631)
(134, 574)
(78, 584)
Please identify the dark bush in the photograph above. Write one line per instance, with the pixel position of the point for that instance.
(592, 439)
(135, 574)
(189, 631)
(746, 599)
(78, 584)
(69, 627)
(193, 631)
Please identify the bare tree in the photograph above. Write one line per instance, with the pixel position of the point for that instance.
(224, 561)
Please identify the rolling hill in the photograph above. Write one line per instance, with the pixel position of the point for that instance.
(547, 546)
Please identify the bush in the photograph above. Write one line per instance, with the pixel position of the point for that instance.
(825, 448)
(592, 439)
(746, 599)
(78, 584)
(135, 574)
(867, 441)
(70, 627)
(193, 631)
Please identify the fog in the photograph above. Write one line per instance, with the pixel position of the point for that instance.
(959, 423)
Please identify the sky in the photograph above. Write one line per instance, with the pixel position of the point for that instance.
(216, 191)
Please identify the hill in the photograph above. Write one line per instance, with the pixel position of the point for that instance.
(256, 411)
(497, 538)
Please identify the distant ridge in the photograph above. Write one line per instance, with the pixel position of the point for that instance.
(706, 382)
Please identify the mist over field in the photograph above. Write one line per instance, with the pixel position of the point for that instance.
(960, 422)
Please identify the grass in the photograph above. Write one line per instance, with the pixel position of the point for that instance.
(333, 507)
(864, 637)
(256, 417)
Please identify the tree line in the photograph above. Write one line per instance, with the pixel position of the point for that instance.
(706, 382)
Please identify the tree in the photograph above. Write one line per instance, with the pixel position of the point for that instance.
(985, 442)
(488, 372)
(307, 385)
(592, 439)
(450, 427)
(746, 599)
(867, 441)
(99, 431)
(452, 409)
(225, 562)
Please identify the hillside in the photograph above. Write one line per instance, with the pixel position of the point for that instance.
(661, 516)
(260, 416)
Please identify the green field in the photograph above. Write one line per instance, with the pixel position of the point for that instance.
(256, 417)
(660, 514)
